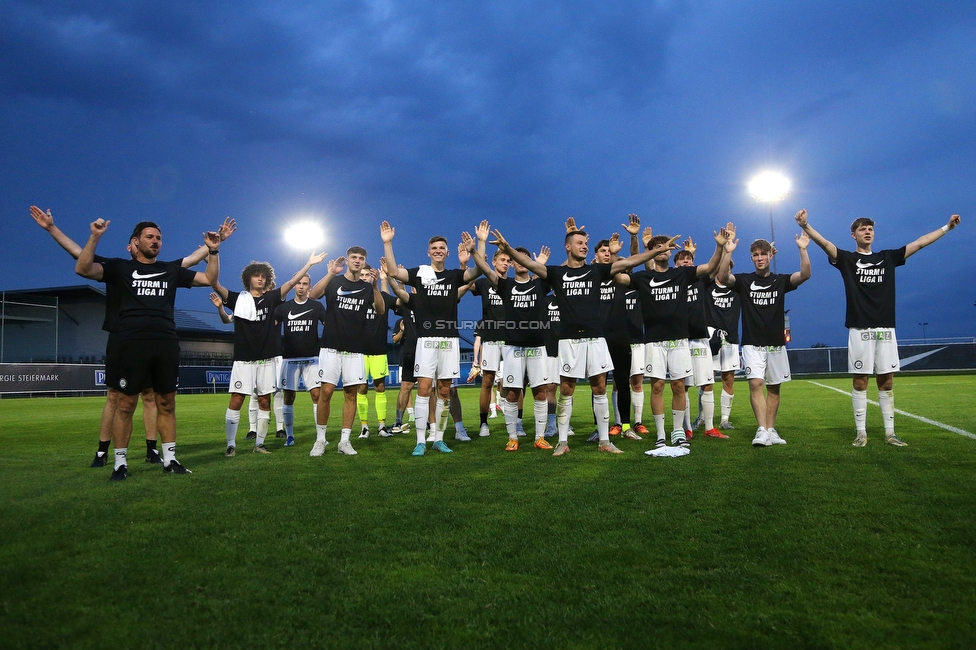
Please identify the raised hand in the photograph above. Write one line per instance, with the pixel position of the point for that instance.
(211, 240)
(315, 258)
(954, 220)
(646, 236)
(802, 241)
(228, 228)
(691, 247)
(216, 299)
(801, 218)
(725, 234)
(338, 265)
(386, 232)
(44, 219)
(464, 252)
(615, 244)
(99, 226)
(482, 231)
(543, 255)
(633, 225)
(571, 225)
(500, 241)
(468, 242)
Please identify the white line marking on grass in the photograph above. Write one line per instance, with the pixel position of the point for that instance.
(941, 425)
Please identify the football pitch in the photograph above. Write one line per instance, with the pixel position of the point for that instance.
(815, 544)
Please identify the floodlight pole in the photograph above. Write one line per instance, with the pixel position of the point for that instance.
(772, 235)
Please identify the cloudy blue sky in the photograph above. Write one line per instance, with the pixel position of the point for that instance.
(437, 115)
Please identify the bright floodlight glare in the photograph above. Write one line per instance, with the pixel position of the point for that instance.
(769, 186)
(304, 236)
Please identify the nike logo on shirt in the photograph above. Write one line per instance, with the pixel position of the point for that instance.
(720, 294)
(757, 287)
(342, 292)
(867, 265)
(292, 316)
(570, 278)
(140, 276)
(516, 292)
(658, 283)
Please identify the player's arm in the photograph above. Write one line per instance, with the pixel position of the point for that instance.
(475, 360)
(481, 233)
(226, 230)
(211, 240)
(615, 246)
(628, 263)
(801, 276)
(532, 265)
(336, 267)
(482, 263)
(398, 289)
(722, 236)
(379, 305)
(221, 311)
(386, 234)
(803, 221)
(931, 238)
(725, 265)
(633, 229)
(46, 221)
(464, 288)
(313, 259)
(398, 331)
(86, 266)
(622, 279)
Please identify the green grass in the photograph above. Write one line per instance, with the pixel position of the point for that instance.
(815, 544)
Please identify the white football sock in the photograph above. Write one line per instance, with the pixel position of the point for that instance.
(859, 400)
(886, 400)
(232, 419)
(601, 409)
(564, 411)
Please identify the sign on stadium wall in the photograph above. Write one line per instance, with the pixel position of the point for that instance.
(50, 377)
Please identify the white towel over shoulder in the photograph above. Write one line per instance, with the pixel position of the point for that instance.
(245, 307)
(427, 274)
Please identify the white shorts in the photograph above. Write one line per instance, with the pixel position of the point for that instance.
(582, 358)
(334, 365)
(702, 373)
(304, 370)
(636, 359)
(437, 357)
(491, 355)
(727, 359)
(872, 351)
(254, 377)
(767, 362)
(522, 363)
(664, 359)
(552, 369)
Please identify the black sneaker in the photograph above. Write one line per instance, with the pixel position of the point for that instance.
(174, 467)
(281, 434)
(152, 456)
(119, 474)
(251, 435)
(99, 460)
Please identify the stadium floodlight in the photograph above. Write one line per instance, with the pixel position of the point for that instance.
(769, 187)
(304, 236)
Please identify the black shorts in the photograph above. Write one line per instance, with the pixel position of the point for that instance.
(620, 356)
(407, 368)
(135, 365)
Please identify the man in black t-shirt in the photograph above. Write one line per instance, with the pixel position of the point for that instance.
(148, 351)
(257, 344)
(376, 361)
(869, 285)
(300, 318)
(491, 329)
(435, 305)
(762, 296)
(583, 349)
(722, 317)
(349, 290)
(46, 221)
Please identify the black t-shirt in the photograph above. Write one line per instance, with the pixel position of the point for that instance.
(697, 326)
(300, 321)
(551, 334)
(408, 343)
(259, 339)
(491, 327)
(664, 301)
(378, 327)
(577, 291)
(722, 311)
(869, 283)
(763, 301)
(523, 311)
(346, 302)
(143, 297)
(435, 304)
(626, 323)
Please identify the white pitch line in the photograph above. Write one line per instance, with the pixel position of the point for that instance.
(941, 425)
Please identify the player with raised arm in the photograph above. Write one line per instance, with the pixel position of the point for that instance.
(376, 361)
(524, 350)
(257, 343)
(583, 350)
(300, 318)
(722, 317)
(148, 350)
(45, 220)
(762, 296)
(435, 304)
(349, 289)
(491, 332)
(869, 286)
(663, 292)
